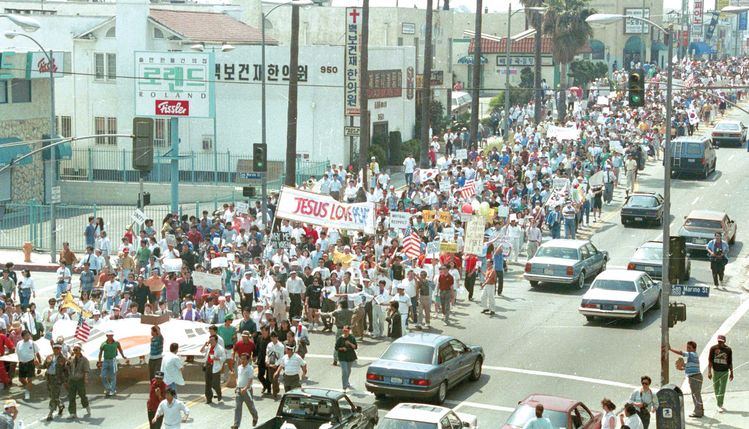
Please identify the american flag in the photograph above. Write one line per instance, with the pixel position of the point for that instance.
(412, 246)
(82, 331)
(468, 190)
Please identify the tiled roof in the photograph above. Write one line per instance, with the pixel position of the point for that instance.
(209, 27)
(522, 46)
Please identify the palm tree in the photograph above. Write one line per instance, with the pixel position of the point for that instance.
(535, 21)
(564, 22)
(475, 92)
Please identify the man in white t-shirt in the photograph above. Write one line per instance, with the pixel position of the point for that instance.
(409, 164)
(171, 366)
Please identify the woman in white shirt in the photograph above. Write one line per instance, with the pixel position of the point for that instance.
(630, 418)
(26, 288)
(609, 419)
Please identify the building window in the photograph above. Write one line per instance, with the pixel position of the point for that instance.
(103, 125)
(105, 66)
(20, 91)
(3, 91)
(161, 132)
(64, 126)
(208, 142)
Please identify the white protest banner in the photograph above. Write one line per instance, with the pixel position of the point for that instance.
(219, 263)
(474, 240)
(172, 265)
(316, 209)
(242, 207)
(503, 211)
(445, 185)
(563, 133)
(207, 280)
(560, 183)
(616, 146)
(602, 100)
(433, 248)
(461, 154)
(138, 216)
(465, 217)
(448, 231)
(400, 220)
(601, 119)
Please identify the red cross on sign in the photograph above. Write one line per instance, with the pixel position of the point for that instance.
(354, 14)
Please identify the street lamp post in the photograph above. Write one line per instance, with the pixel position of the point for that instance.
(52, 166)
(508, 44)
(263, 133)
(603, 18)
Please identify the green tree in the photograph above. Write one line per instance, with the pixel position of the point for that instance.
(535, 19)
(583, 72)
(518, 94)
(564, 21)
(437, 118)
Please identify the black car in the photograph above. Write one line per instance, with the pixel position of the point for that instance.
(642, 207)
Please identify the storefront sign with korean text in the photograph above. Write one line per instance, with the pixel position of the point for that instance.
(352, 57)
(173, 84)
(385, 84)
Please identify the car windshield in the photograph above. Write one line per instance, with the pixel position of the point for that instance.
(414, 353)
(308, 408)
(653, 253)
(525, 412)
(642, 201)
(617, 285)
(727, 127)
(391, 423)
(558, 252)
(694, 149)
(702, 223)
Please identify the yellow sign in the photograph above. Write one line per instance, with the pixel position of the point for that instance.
(428, 215)
(444, 217)
(448, 247)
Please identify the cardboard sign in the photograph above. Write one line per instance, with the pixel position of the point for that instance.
(400, 220)
(461, 154)
(138, 216)
(490, 214)
(448, 247)
(242, 207)
(445, 185)
(433, 248)
(561, 183)
(444, 216)
(280, 240)
(219, 263)
(465, 217)
(428, 215)
(172, 265)
(503, 211)
(474, 240)
(206, 280)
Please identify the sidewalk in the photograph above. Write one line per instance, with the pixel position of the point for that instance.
(40, 262)
(735, 417)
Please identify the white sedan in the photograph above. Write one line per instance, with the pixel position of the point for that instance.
(424, 416)
(621, 294)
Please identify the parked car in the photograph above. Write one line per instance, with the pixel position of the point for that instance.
(693, 155)
(621, 294)
(314, 408)
(642, 207)
(423, 366)
(422, 416)
(565, 261)
(649, 258)
(562, 412)
(729, 131)
(700, 227)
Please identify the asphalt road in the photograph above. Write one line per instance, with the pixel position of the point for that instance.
(536, 343)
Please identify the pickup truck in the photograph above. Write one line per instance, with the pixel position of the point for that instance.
(313, 408)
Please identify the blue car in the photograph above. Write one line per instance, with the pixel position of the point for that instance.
(423, 366)
(563, 261)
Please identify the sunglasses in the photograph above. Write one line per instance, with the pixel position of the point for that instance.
(646, 383)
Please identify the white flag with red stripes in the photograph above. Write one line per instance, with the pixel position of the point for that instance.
(412, 246)
(468, 190)
(82, 331)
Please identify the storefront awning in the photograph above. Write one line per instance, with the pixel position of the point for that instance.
(10, 152)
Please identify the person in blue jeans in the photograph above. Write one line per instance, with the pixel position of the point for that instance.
(108, 350)
(554, 220)
(346, 347)
(694, 375)
(570, 218)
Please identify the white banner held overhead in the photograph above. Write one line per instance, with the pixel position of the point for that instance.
(563, 133)
(206, 280)
(172, 265)
(242, 207)
(400, 220)
(138, 216)
(474, 241)
(461, 154)
(316, 209)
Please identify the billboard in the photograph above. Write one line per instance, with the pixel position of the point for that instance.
(173, 84)
(633, 26)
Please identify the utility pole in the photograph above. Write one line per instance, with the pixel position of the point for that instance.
(537, 91)
(426, 90)
(363, 99)
(292, 106)
(475, 91)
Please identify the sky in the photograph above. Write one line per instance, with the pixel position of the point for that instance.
(470, 5)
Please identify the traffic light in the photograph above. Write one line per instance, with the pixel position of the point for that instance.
(248, 191)
(677, 312)
(259, 157)
(143, 144)
(636, 88)
(144, 199)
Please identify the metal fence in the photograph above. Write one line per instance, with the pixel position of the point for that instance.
(29, 222)
(115, 165)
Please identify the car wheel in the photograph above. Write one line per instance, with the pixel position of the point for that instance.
(476, 372)
(640, 315)
(590, 318)
(380, 396)
(581, 280)
(441, 393)
(657, 304)
(534, 283)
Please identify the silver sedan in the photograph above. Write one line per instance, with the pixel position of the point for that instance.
(620, 294)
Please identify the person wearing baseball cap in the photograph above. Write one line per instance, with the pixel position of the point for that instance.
(56, 376)
(108, 350)
(156, 393)
(720, 369)
(10, 411)
(78, 370)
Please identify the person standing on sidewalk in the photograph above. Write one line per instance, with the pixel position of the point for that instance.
(78, 369)
(720, 369)
(346, 347)
(243, 397)
(644, 400)
(694, 375)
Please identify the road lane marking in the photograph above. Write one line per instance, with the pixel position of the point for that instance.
(724, 329)
(460, 404)
(730, 158)
(695, 200)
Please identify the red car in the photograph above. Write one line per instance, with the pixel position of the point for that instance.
(563, 413)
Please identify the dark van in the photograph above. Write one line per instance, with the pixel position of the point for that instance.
(693, 155)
